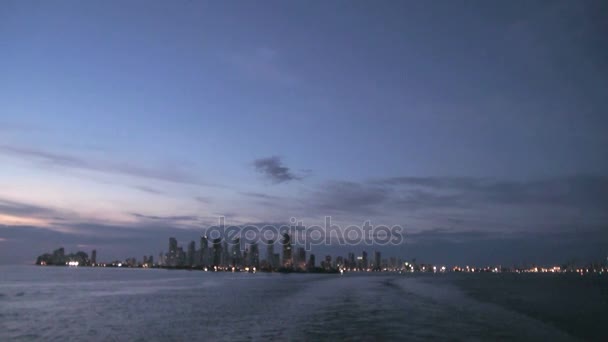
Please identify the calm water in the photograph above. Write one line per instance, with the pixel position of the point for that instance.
(49, 303)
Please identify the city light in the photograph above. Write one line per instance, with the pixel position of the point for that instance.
(222, 257)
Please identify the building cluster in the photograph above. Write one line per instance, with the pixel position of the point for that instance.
(219, 255)
(59, 258)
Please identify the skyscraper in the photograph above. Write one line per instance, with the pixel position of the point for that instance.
(94, 257)
(191, 251)
(204, 251)
(161, 259)
(236, 253)
(270, 254)
(217, 252)
(326, 264)
(351, 261)
(181, 257)
(339, 262)
(225, 254)
(364, 263)
(301, 263)
(377, 261)
(311, 262)
(287, 257)
(172, 259)
(246, 257)
(254, 256)
(172, 245)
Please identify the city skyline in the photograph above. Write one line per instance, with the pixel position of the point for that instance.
(479, 129)
(222, 258)
(224, 255)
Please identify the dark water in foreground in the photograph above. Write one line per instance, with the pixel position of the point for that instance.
(92, 304)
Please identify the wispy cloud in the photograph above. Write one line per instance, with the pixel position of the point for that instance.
(148, 189)
(349, 197)
(171, 173)
(580, 190)
(166, 218)
(273, 169)
(259, 195)
(13, 208)
(180, 221)
(202, 199)
(461, 202)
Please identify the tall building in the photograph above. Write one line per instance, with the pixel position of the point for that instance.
(225, 254)
(327, 262)
(236, 258)
(287, 257)
(351, 261)
(246, 257)
(339, 262)
(270, 254)
(191, 253)
(204, 251)
(377, 261)
(254, 256)
(181, 257)
(94, 257)
(172, 245)
(172, 259)
(311, 262)
(364, 262)
(161, 259)
(217, 252)
(301, 263)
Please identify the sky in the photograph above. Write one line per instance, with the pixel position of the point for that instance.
(480, 127)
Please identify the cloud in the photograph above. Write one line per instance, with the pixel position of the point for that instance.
(451, 235)
(169, 174)
(13, 208)
(260, 195)
(148, 190)
(179, 221)
(579, 190)
(49, 157)
(202, 199)
(349, 197)
(274, 170)
(167, 218)
(465, 202)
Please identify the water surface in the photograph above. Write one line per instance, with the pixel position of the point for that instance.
(75, 304)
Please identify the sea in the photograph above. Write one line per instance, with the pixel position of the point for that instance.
(122, 304)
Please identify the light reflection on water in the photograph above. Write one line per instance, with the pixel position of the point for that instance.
(47, 303)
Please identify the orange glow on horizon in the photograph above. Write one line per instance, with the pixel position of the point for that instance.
(22, 221)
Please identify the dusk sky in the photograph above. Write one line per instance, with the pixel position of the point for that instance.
(480, 127)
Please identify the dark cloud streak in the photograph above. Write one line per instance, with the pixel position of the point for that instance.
(274, 169)
(13, 208)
